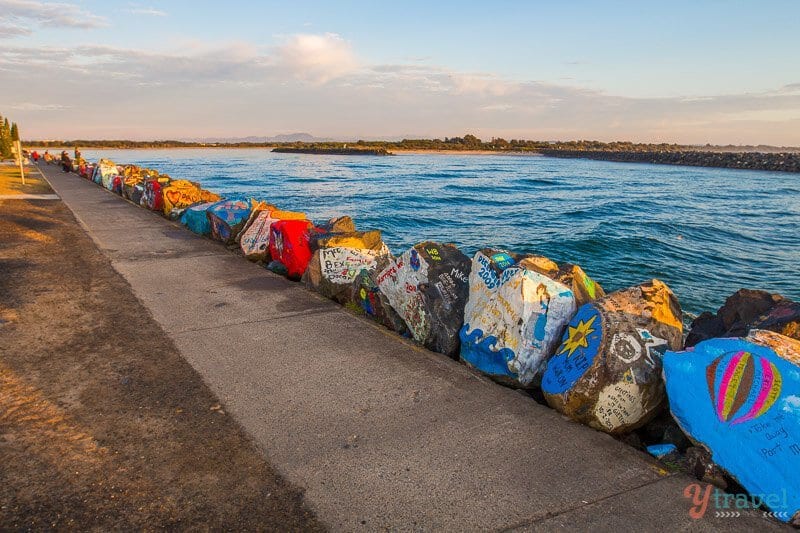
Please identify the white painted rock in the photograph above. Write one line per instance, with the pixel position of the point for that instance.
(339, 259)
(254, 240)
(428, 287)
(517, 310)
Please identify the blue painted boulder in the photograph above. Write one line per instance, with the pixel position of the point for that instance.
(227, 218)
(607, 371)
(517, 310)
(740, 399)
(196, 220)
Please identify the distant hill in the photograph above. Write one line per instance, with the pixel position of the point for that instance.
(283, 138)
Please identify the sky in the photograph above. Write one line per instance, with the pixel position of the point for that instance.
(720, 72)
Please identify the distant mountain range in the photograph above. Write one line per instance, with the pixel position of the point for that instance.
(284, 138)
(296, 137)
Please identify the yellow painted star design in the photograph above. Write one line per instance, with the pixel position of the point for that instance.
(578, 337)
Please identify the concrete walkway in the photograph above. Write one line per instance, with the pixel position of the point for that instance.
(380, 433)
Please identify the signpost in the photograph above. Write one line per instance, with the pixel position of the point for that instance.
(19, 158)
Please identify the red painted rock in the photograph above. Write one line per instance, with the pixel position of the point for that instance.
(288, 244)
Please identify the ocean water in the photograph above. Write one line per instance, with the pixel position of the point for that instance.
(706, 232)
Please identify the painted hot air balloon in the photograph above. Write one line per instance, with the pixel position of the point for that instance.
(743, 386)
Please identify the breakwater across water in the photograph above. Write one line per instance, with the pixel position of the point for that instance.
(780, 162)
(706, 232)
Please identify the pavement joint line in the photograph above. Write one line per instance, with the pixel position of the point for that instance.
(551, 515)
(259, 321)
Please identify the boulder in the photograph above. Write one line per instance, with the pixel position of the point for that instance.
(227, 218)
(366, 294)
(739, 398)
(137, 193)
(343, 224)
(745, 310)
(116, 184)
(153, 198)
(339, 259)
(180, 194)
(254, 240)
(104, 172)
(256, 207)
(428, 287)
(288, 245)
(196, 220)
(607, 371)
(516, 313)
(128, 185)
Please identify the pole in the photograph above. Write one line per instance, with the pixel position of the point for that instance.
(19, 155)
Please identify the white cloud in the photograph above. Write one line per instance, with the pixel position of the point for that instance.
(149, 11)
(316, 83)
(47, 14)
(316, 58)
(30, 106)
(8, 30)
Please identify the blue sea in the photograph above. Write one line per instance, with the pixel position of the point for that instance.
(706, 232)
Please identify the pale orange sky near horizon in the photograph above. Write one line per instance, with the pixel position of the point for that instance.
(114, 70)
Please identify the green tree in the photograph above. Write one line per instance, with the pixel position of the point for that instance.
(5, 139)
(14, 132)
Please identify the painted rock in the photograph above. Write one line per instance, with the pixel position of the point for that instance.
(153, 198)
(254, 240)
(288, 244)
(180, 194)
(116, 184)
(607, 371)
(517, 310)
(339, 259)
(256, 208)
(137, 193)
(104, 172)
(428, 287)
(227, 218)
(366, 294)
(128, 185)
(195, 218)
(745, 310)
(343, 224)
(740, 399)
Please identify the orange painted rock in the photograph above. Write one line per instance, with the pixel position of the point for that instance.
(607, 371)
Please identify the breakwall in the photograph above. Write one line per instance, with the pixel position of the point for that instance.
(783, 162)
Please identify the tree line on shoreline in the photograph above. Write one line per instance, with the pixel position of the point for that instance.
(466, 143)
(9, 134)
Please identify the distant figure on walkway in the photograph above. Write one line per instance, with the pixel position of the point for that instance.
(35, 156)
(66, 162)
(77, 156)
(47, 157)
